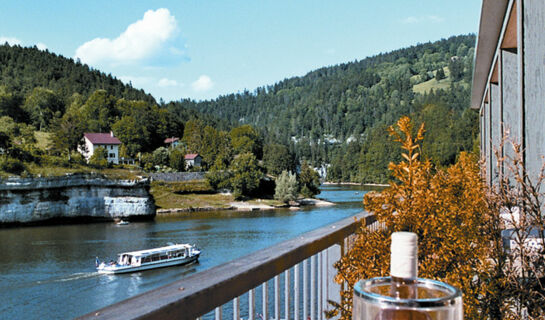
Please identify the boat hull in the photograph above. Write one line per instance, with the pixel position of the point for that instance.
(148, 266)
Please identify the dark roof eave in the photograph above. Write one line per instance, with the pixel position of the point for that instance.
(492, 17)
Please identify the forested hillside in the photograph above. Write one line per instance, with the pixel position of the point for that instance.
(22, 69)
(338, 115)
(45, 92)
(334, 117)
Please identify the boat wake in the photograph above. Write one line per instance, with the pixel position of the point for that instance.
(71, 277)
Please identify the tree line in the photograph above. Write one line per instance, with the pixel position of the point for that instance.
(337, 116)
(334, 117)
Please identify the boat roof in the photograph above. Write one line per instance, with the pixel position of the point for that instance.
(148, 252)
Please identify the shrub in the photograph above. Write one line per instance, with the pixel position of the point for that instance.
(446, 208)
(286, 187)
(11, 165)
(161, 157)
(517, 200)
(245, 175)
(309, 181)
(99, 159)
(176, 159)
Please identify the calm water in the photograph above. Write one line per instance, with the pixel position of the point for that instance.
(48, 272)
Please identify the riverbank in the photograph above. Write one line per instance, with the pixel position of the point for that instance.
(357, 184)
(253, 205)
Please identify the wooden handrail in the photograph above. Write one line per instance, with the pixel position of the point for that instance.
(201, 292)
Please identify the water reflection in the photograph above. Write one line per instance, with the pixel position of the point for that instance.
(48, 272)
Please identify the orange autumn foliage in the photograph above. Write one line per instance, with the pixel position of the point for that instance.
(446, 208)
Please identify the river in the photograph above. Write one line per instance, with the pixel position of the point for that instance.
(48, 272)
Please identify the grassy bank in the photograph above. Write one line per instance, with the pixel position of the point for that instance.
(189, 194)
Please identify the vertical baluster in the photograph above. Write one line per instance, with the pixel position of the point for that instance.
(296, 292)
(251, 304)
(265, 297)
(326, 280)
(287, 294)
(218, 313)
(305, 289)
(236, 309)
(313, 287)
(320, 271)
(277, 297)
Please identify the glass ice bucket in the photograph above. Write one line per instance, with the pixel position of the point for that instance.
(374, 299)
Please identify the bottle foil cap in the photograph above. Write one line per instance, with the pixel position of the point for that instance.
(404, 255)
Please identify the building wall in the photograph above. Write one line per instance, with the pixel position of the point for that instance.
(534, 83)
(512, 114)
(486, 138)
(495, 130)
(516, 105)
(113, 151)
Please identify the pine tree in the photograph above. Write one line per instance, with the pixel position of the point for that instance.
(440, 74)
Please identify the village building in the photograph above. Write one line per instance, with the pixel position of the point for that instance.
(172, 142)
(192, 160)
(105, 140)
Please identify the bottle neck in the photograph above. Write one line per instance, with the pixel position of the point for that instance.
(403, 288)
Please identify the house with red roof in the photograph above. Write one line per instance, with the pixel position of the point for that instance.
(105, 140)
(192, 160)
(172, 142)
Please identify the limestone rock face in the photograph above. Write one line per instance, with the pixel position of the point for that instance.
(76, 196)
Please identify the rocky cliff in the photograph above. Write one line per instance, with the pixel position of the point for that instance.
(73, 197)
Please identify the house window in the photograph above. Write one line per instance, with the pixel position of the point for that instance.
(112, 155)
(111, 147)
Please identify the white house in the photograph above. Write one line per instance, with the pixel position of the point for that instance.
(193, 160)
(104, 140)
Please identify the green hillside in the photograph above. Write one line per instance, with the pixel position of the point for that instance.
(337, 116)
(334, 117)
(22, 69)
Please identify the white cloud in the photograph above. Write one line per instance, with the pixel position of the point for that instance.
(140, 41)
(204, 83)
(410, 20)
(423, 19)
(330, 51)
(436, 19)
(11, 40)
(164, 82)
(41, 46)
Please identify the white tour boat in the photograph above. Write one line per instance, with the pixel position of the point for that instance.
(171, 255)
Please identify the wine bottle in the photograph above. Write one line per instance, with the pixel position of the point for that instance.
(404, 275)
(404, 296)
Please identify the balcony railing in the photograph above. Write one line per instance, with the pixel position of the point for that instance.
(304, 265)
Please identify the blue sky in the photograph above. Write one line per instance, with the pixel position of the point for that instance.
(201, 49)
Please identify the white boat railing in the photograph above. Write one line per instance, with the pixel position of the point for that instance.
(291, 280)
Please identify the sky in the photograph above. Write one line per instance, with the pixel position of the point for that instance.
(200, 49)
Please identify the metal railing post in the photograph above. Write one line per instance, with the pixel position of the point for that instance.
(296, 292)
(251, 304)
(287, 294)
(236, 309)
(277, 297)
(305, 289)
(265, 299)
(218, 313)
(313, 287)
(320, 283)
